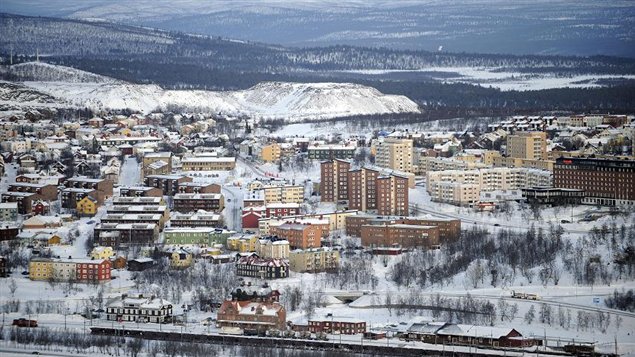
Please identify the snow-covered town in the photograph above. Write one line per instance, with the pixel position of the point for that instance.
(317, 178)
(410, 237)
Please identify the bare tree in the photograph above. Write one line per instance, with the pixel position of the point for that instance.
(13, 286)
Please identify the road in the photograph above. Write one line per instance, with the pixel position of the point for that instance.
(233, 207)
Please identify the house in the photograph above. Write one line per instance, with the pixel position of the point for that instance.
(87, 207)
(249, 292)
(139, 308)
(119, 263)
(181, 259)
(248, 315)
(101, 253)
(4, 271)
(251, 215)
(140, 264)
(42, 222)
(41, 208)
(9, 232)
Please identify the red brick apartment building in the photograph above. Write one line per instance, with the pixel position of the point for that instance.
(449, 229)
(605, 181)
(343, 325)
(260, 316)
(300, 236)
(404, 235)
(93, 270)
(364, 189)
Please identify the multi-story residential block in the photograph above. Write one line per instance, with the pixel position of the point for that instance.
(248, 315)
(82, 270)
(156, 163)
(169, 184)
(330, 152)
(44, 191)
(199, 187)
(198, 219)
(300, 236)
(140, 209)
(9, 232)
(102, 187)
(255, 267)
(71, 195)
(464, 187)
(101, 253)
(334, 180)
(242, 243)
(449, 229)
(531, 145)
(87, 207)
(9, 211)
(139, 308)
(24, 200)
(333, 324)
(604, 181)
(314, 260)
(191, 202)
(4, 270)
(138, 201)
(207, 163)
(140, 191)
(206, 236)
(124, 234)
(266, 224)
(281, 210)
(135, 218)
(283, 194)
(272, 247)
(270, 152)
(395, 153)
(366, 188)
(403, 235)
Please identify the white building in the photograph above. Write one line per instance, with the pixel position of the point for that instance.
(138, 308)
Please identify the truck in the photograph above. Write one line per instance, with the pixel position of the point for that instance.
(525, 296)
(22, 322)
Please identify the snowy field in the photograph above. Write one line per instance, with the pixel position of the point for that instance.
(509, 80)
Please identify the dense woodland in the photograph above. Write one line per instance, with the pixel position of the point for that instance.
(180, 61)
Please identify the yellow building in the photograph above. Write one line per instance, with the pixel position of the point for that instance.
(180, 259)
(270, 153)
(284, 194)
(530, 145)
(87, 207)
(396, 154)
(40, 269)
(314, 260)
(242, 244)
(101, 253)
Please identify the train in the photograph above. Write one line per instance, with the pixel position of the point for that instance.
(22, 322)
(525, 296)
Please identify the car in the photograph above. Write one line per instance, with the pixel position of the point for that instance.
(90, 222)
(229, 200)
(565, 221)
(496, 225)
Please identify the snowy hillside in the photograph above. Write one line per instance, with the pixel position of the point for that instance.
(292, 101)
(39, 71)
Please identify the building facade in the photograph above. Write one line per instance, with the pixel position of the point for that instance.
(314, 260)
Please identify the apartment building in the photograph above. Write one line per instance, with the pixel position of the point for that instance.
(82, 270)
(135, 218)
(605, 181)
(24, 200)
(116, 234)
(265, 224)
(314, 260)
(272, 247)
(198, 219)
(449, 229)
(192, 202)
(531, 145)
(45, 191)
(402, 235)
(102, 187)
(300, 236)
(330, 152)
(169, 184)
(464, 187)
(207, 236)
(335, 324)
(139, 308)
(140, 191)
(367, 188)
(270, 152)
(138, 201)
(395, 153)
(9, 211)
(334, 180)
(139, 209)
(199, 187)
(156, 163)
(208, 163)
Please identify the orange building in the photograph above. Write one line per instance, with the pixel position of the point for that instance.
(300, 236)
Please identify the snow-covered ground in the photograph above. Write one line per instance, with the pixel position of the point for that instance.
(509, 80)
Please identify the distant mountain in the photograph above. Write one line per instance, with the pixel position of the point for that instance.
(558, 27)
(274, 100)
